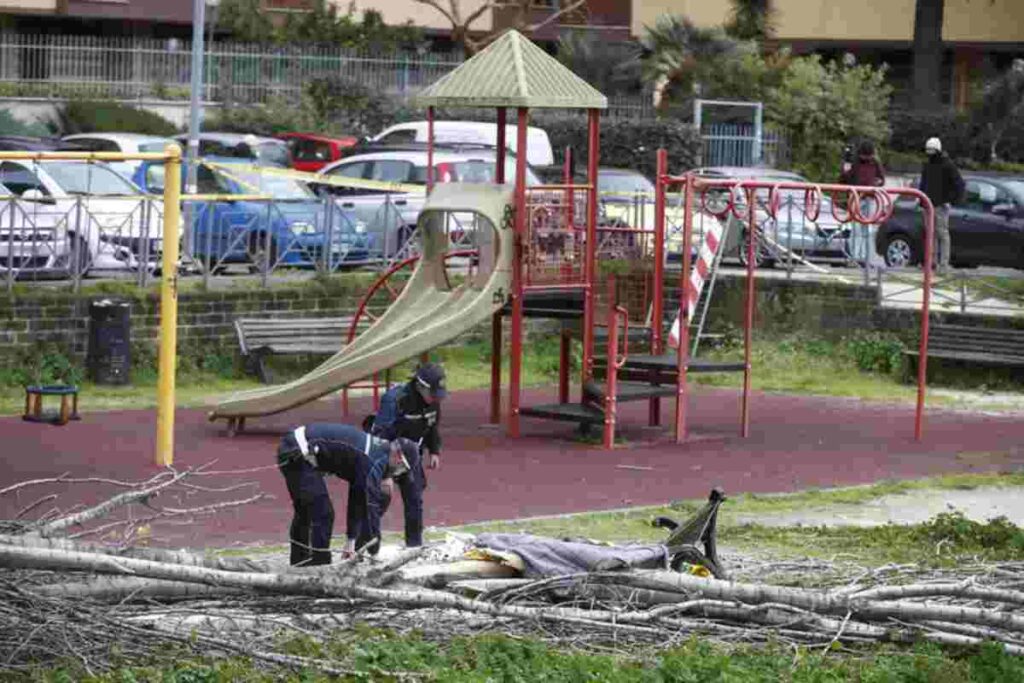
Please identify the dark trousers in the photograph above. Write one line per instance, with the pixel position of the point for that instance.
(411, 486)
(313, 514)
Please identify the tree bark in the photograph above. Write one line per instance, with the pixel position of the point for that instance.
(928, 52)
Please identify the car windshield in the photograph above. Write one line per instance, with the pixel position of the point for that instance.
(471, 171)
(1017, 188)
(273, 154)
(275, 186)
(624, 183)
(88, 179)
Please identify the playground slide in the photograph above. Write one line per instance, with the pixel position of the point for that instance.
(425, 315)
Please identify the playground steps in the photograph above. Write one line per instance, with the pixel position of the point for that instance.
(581, 413)
(627, 391)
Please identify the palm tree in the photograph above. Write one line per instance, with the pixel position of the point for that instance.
(612, 67)
(675, 51)
(751, 20)
(927, 53)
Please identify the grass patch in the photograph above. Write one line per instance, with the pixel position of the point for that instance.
(888, 543)
(506, 658)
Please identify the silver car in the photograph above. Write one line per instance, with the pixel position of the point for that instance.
(791, 234)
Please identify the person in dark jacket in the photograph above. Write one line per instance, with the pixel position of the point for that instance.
(307, 454)
(866, 170)
(413, 411)
(942, 182)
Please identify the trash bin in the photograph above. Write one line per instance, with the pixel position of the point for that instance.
(109, 356)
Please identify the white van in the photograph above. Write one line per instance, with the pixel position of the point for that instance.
(538, 146)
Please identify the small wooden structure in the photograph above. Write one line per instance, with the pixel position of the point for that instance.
(68, 403)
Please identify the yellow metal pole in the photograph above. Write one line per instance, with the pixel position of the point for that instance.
(168, 308)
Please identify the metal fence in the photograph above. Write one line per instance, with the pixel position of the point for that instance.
(138, 68)
(727, 144)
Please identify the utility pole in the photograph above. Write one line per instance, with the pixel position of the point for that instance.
(195, 112)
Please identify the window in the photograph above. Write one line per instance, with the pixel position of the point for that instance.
(96, 145)
(155, 175)
(353, 170)
(20, 179)
(391, 171)
(80, 178)
(152, 147)
(310, 150)
(399, 137)
(208, 182)
(982, 196)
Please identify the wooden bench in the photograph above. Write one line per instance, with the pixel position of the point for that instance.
(991, 346)
(260, 338)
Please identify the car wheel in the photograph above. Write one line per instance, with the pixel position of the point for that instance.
(762, 259)
(262, 253)
(899, 252)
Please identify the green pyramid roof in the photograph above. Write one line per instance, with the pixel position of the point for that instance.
(512, 72)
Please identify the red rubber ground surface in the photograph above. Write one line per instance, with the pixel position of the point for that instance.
(795, 442)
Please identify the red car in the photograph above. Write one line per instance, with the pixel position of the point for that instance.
(311, 152)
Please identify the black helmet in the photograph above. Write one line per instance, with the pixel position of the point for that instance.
(430, 376)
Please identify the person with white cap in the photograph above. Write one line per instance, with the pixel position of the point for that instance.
(305, 456)
(942, 182)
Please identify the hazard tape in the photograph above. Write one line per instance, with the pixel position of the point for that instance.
(306, 177)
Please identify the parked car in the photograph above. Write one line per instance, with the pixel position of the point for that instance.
(538, 146)
(252, 148)
(790, 231)
(391, 215)
(127, 143)
(25, 143)
(311, 152)
(292, 229)
(85, 211)
(986, 228)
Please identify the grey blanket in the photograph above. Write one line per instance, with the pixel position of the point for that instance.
(553, 557)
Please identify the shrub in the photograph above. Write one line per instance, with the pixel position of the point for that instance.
(625, 143)
(9, 125)
(277, 116)
(876, 353)
(910, 130)
(92, 116)
(822, 106)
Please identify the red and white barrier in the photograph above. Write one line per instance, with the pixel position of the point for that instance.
(701, 269)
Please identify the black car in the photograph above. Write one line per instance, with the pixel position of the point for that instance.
(23, 143)
(986, 227)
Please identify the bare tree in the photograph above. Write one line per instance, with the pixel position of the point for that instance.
(473, 40)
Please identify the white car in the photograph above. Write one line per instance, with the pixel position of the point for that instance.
(391, 214)
(76, 216)
(127, 143)
(538, 146)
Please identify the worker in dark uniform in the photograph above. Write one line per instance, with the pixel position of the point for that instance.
(307, 454)
(413, 411)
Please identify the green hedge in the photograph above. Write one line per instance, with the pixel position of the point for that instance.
(625, 143)
(92, 116)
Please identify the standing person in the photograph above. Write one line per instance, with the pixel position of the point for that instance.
(307, 454)
(866, 170)
(942, 182)
(413, 411)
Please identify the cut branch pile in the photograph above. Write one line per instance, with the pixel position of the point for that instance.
(61, 597)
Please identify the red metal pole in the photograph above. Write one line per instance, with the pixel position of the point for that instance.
(590, 259)
(344, 402)
(748, 315)
(499, 169)
(922, 355)
(563, 366)
(430, 149)
(516, 352)
(496, 368)
(499, 179)
(611, 386)
(683, 352)
(657, 303)
(567, 181)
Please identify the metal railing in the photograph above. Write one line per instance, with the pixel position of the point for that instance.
(141, 68)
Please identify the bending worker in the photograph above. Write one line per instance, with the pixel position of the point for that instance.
(369, 464)
(413, 411)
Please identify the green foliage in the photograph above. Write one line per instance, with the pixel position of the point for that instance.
(751, 19)
(276, 116)
(910, 130)
(998, 537)
(40, 364)
(677, 53)
(747, 75)
(324, 24)
(347, 106)
(611, 67)
(876, 353)
(9, 125)
(821, 106)
(625, 143)
(245, 20)
(91, 116)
